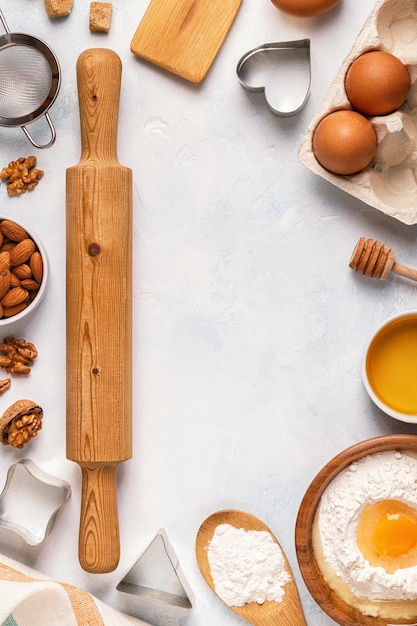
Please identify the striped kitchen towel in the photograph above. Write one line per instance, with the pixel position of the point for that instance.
(28, 598)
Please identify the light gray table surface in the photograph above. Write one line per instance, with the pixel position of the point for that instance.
(249, 325)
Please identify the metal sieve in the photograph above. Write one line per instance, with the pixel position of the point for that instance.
(29, 81)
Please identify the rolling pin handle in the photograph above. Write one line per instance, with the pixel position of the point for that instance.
(99, 74)
(99, 542)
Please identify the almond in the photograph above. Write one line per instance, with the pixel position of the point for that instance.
(8, 245)
(15, 296)
(22, 271)
(13, 231)
(30, 284)
(14, 281)
(9, 311)
(4, 260)
(22, 251)
(4, 282)
(36, 265)
(21, 268)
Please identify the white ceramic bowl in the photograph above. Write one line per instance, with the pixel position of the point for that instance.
(389, 366)
(6, 321)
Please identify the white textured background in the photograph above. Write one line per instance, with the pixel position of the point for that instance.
(248, 324)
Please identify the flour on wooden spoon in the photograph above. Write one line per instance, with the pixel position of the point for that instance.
(246, 566)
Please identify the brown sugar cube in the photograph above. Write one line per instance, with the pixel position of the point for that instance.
(58, 8)
(100, 16)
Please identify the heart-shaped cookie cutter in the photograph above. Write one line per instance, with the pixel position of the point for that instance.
(282, 70)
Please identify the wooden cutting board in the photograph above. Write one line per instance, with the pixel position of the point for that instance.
(184, 36)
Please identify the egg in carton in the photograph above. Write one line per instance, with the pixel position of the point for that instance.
(389, 182)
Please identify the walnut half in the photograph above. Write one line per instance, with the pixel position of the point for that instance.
(17, 356)
(4, 385)
(21, 175)
(20, 423)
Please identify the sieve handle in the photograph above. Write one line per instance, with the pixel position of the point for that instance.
(53, 134)
(3, 21)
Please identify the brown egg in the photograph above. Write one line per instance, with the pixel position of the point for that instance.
(377, 83)
(344, 142)
(305, 8)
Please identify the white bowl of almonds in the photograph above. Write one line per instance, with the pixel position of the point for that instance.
(23, 271)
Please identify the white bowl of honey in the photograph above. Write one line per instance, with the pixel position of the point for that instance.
(389, 367)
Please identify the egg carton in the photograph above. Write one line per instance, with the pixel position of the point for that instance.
(389, 183)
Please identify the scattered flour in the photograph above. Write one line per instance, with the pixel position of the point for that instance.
(246, 566)
(384, 475)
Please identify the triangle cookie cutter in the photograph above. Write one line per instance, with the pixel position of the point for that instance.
(157, 575)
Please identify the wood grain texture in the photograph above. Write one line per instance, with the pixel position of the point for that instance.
(288, 612)
(377, 260)
(184, 36)
(325, 597)
(99, 308)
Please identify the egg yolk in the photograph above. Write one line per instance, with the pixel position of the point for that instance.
(387, 535)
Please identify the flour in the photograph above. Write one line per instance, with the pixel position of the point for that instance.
(385, 475)
(246, 566)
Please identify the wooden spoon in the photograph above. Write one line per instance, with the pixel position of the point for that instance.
(288, 612)
(376, 260)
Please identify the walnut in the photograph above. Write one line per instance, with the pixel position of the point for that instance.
(21, 176)
(4, 385)
(20, 423)
(17, 356)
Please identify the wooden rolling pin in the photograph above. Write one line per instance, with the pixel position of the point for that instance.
(99, 309)
(377, 260)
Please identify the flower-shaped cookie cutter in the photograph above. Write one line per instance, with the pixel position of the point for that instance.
(281, 70)
(31, 500)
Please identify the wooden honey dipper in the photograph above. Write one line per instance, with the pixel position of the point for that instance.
(377, 260)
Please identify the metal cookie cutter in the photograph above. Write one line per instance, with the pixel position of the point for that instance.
(282, 70)
(31, 500)
(157, 575)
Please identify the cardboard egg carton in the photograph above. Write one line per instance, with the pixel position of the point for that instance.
(389, 183)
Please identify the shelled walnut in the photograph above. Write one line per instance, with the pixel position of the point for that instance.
(21, 175)
(4, 385)
(20, 423)
(17, 356)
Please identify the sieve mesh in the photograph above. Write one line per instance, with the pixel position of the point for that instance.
(25, 80)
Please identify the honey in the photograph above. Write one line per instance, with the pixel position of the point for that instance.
(391, 365)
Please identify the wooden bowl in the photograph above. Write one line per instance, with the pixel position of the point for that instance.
(325, 597)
